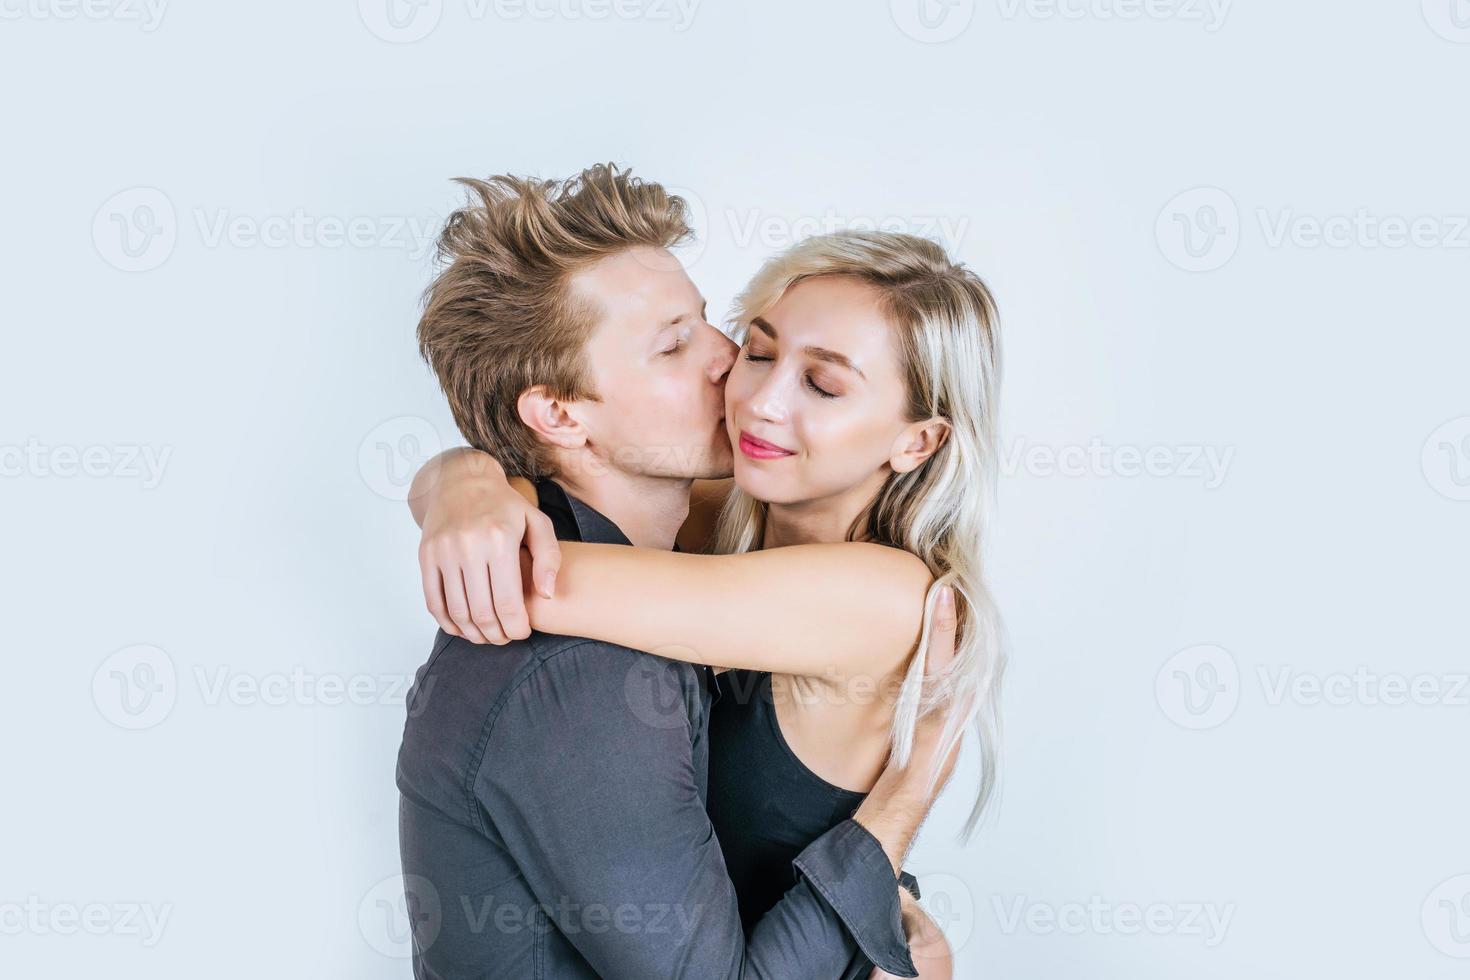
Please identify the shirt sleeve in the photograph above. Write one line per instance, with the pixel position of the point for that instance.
(589, 778)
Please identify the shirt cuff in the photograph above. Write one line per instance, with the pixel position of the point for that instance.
(848, 868)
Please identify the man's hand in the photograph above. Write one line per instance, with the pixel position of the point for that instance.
(902, 796)
(474, 526)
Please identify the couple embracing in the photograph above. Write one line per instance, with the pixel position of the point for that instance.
(713, 615)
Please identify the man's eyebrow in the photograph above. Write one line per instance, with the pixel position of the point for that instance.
(816, 353)
(703, 308)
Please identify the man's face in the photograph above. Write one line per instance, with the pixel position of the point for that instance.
(659, 366)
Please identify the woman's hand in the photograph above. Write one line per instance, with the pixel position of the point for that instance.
(475, 524)
(927, 945)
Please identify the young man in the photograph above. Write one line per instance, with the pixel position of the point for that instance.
(552, 819)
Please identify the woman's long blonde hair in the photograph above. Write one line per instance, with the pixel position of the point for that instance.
(947, 333)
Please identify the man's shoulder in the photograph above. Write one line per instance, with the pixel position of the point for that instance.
(548, 687)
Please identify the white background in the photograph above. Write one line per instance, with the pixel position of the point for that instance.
(205, 656)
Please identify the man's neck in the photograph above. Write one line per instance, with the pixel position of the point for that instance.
(648, 510)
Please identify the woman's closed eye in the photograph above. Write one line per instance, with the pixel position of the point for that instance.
(807, 380)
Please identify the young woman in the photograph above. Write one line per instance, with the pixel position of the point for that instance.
(862, 406)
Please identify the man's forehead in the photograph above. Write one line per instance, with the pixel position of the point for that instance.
(647, 285)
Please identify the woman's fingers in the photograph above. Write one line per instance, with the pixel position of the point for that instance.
(434, 594)
(545, 552)
(941, 636)
(476, 578)
(456, 598)
(505, 586)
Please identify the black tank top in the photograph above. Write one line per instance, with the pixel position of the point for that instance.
(765, 804)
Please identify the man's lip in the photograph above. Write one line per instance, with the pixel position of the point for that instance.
(762, 444)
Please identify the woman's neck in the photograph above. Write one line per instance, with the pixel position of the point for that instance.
(821, 521)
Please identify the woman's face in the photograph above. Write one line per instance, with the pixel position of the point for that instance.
(818, 379)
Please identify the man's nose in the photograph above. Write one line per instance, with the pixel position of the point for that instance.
(723, 358)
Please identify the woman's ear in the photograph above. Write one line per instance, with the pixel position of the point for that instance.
(916, 443)
(550, 418)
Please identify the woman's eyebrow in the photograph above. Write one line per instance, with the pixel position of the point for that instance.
(818, 353)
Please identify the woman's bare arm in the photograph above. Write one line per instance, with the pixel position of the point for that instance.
(828, 611)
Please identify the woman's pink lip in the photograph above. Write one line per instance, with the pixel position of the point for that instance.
(759, 448)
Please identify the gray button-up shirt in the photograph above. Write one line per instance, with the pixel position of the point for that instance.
(552, 823)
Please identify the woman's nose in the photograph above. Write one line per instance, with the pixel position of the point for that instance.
(767, 401)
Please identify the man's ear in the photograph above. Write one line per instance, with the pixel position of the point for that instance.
(550, 418)
(916, 443)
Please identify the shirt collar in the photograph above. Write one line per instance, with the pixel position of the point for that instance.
(574, 520)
